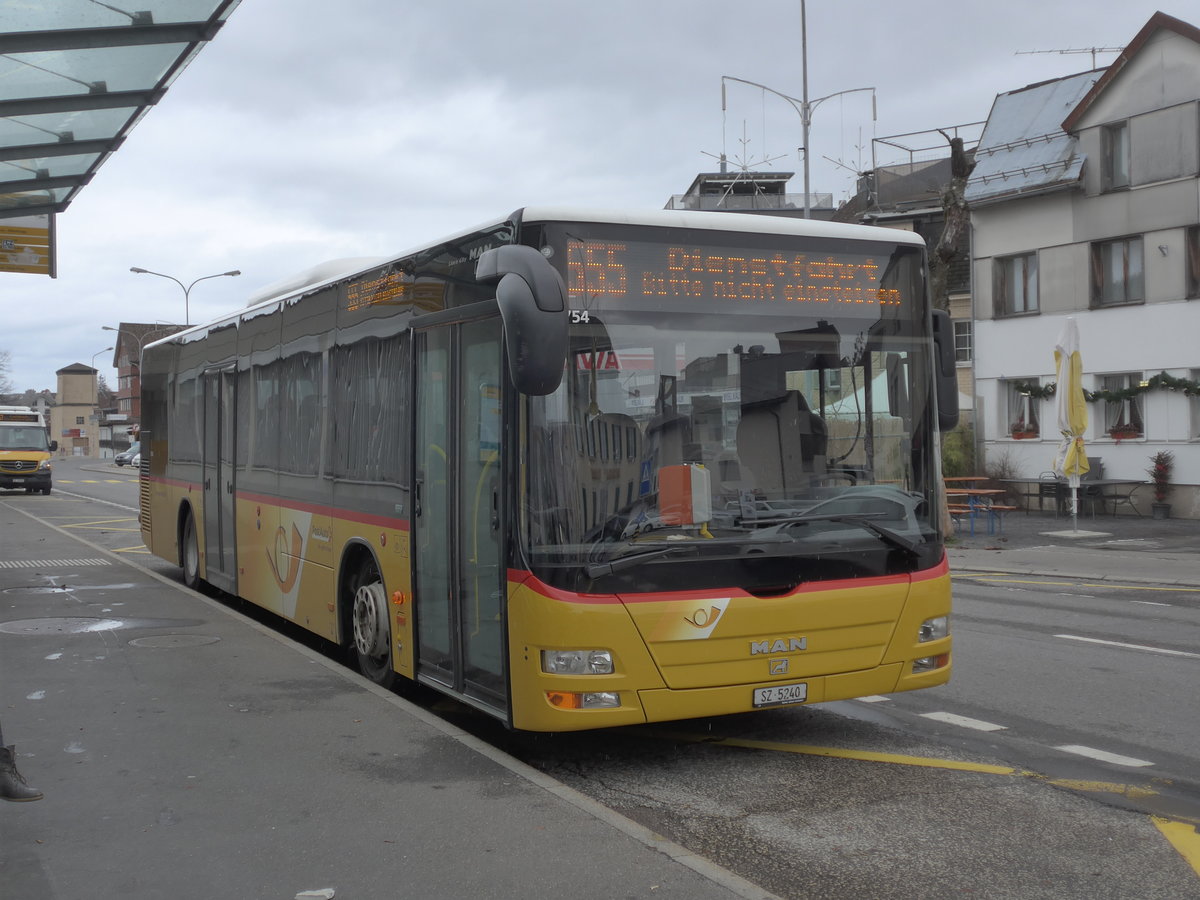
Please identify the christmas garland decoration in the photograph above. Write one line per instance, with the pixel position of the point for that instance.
(1161, 381)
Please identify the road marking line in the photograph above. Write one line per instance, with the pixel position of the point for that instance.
(839, 753)
(1003, 577)
(1150, 603)
(874, 698)
(963, 721)
(1183, 837)
(1103, 755)
(1124, 646)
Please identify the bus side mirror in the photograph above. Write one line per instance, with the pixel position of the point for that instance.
(533, 306)
(53, 446)
(944, 370)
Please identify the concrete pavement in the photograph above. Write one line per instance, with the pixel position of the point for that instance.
(186, 751)
(1125, 549)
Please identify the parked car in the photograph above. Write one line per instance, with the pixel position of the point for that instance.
(125, 457)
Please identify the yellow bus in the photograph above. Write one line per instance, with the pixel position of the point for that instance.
(25, 450)
(580, 468)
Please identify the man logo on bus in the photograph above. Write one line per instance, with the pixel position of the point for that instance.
(778, 645)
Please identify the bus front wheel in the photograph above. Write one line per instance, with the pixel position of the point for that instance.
(372, 625)
(191, 554)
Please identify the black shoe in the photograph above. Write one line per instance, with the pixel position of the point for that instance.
(12, 785)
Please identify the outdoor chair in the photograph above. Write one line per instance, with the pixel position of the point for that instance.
(1049, 487)
(1122, 495)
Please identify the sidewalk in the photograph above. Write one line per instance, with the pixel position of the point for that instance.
(188, 752)
(1125, 549)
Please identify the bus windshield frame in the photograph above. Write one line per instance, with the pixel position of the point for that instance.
(743, 409)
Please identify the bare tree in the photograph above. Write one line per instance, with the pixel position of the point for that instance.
(5, 381)
(957, 215)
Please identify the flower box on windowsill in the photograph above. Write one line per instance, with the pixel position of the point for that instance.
(1124, 433)
(1024, 435)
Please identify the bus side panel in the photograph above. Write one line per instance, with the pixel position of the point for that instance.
(264, 572)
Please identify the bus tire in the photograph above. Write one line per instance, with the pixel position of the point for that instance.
(189, 552)
(371, 623)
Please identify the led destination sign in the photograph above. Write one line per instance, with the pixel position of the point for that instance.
(651, 273)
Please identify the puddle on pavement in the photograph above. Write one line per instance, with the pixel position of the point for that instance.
(89, 624)
(68, 588)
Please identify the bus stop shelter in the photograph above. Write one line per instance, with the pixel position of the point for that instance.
(75, 78)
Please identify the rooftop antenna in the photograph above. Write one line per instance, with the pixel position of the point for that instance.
(1091, 50)
(743, 161)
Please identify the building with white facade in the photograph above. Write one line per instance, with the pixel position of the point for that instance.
(1085, 202)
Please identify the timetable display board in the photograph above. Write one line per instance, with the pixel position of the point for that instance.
(27, 245)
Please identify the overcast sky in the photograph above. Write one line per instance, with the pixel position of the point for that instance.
(311, 130)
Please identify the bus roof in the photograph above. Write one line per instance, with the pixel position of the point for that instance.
(334, 271)
(718, 221)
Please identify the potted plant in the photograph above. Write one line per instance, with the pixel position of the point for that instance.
(1159, 471)
(1124, 432)
(1020, 430)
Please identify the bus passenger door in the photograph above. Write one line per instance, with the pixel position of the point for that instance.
(459, 573)
(220, 414)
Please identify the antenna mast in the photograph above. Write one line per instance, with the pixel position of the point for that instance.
(1091, 50)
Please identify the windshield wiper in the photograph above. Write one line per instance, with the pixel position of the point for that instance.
(866, 522)
(594, 570)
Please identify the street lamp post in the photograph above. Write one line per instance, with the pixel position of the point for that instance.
(803, 106)
(95, 414)
(187, 289)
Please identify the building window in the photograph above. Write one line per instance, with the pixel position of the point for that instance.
(1123, 418)
(1118, 275)
(1022, 410)
(1193, 261)
(964, 340)
(1115, 139)
(1017, 284)
(79, 420)
(1194, 408)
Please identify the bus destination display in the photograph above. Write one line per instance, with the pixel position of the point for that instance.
(659, 274)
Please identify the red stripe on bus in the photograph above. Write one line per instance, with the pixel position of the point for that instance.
(521, 577)
(313, 508)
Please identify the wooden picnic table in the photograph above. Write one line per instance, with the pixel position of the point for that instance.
(978, 502)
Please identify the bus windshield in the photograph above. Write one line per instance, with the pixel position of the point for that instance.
(757, 413)
(23, 437)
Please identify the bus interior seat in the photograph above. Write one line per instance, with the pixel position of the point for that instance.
(782, 442)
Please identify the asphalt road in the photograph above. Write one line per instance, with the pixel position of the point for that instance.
(1062, 761)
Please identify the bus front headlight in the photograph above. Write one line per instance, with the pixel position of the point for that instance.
(577, 662)
(933, 629)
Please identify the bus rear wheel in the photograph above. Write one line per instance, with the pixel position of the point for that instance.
(190, 553)
(372, 625)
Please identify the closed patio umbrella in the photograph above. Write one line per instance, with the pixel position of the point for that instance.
(1070, 412)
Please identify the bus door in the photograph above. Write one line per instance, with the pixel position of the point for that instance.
(220, 414)
(459, 573)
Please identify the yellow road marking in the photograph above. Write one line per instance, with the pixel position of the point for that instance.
(1183, 838)
(838, 752)
(139, 548)
(1182, 835)
(101, 523)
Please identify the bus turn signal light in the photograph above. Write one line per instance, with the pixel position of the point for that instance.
(586, 700)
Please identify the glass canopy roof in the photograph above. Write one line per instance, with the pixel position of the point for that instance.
(75, 77)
